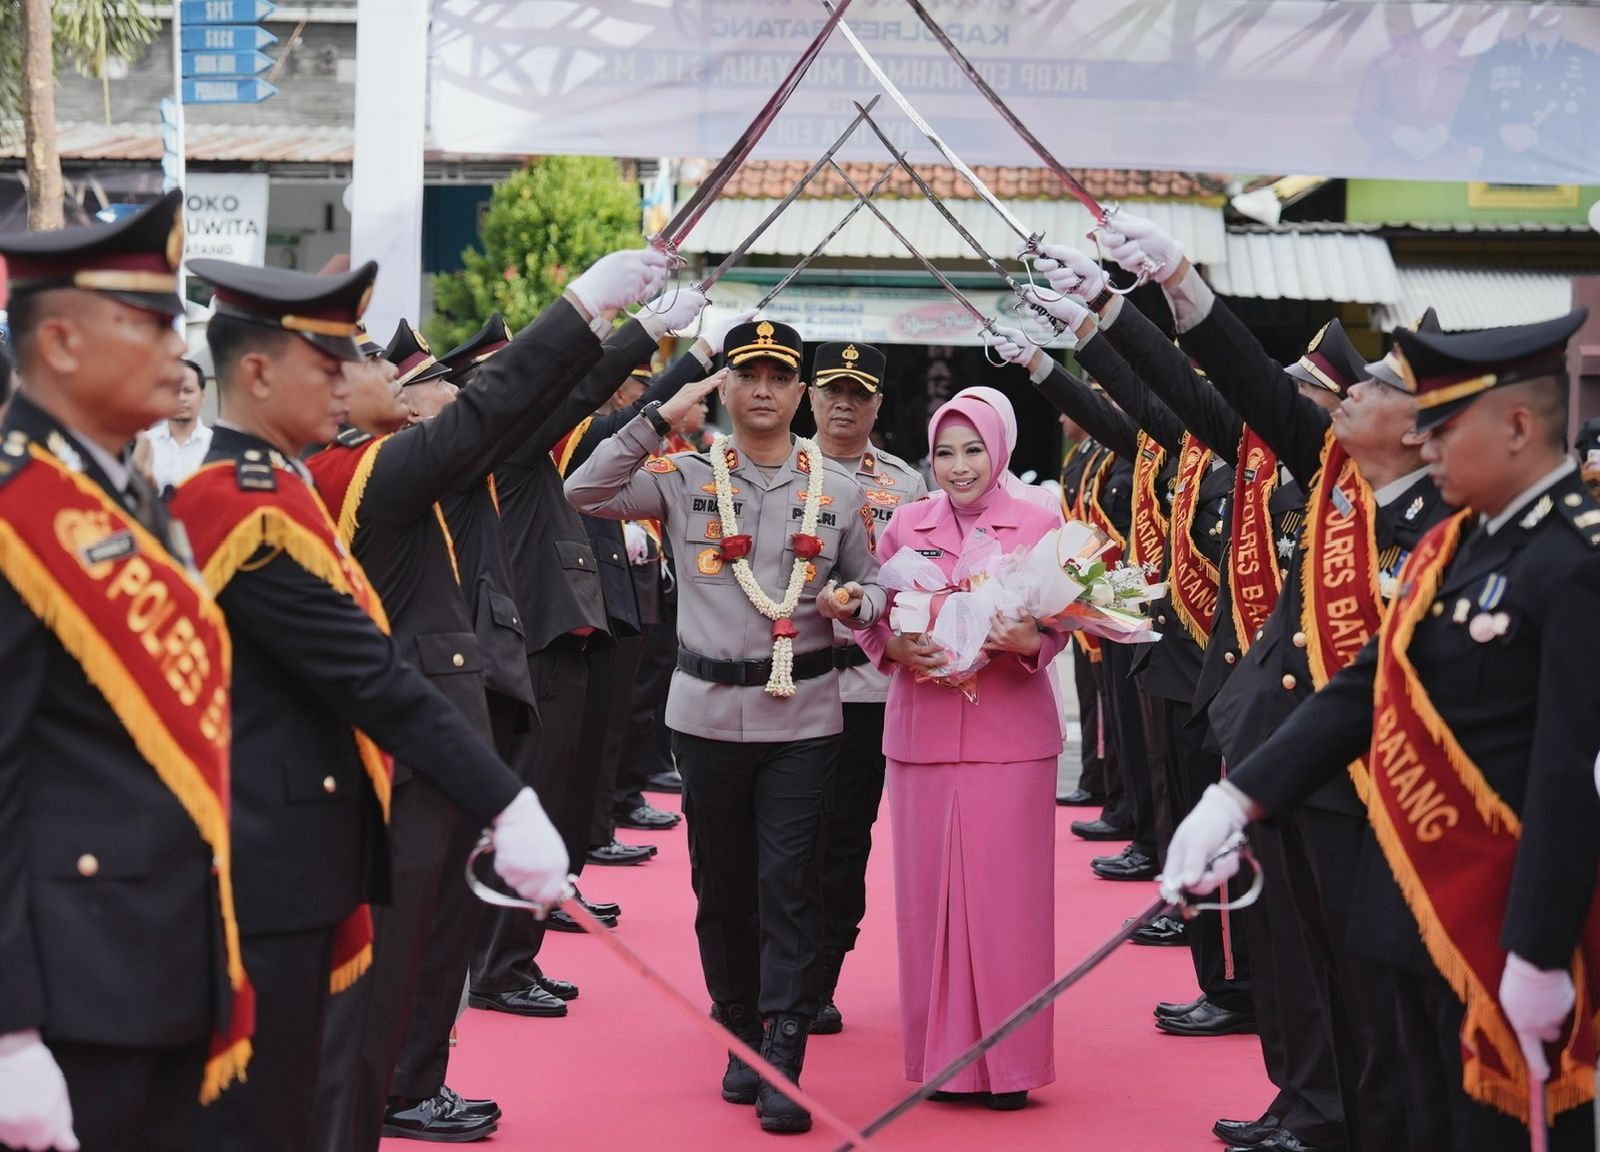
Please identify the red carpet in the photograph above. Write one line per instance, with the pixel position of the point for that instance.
(624, 1070)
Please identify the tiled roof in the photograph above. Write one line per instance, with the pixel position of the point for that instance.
(772, 179)
(80, 140)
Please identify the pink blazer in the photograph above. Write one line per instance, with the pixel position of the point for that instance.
(1016, 716)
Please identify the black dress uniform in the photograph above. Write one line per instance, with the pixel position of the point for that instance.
(1518, 697)
(310, 841)
(1079, 466)
(561, 601)
(404, 545)
(110, 931)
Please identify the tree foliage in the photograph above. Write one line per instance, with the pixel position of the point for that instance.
(544, 225)
(89, 34)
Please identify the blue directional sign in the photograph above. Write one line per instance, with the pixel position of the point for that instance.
(225, 63)
(226, 11)
(222, 38)
(237, 90)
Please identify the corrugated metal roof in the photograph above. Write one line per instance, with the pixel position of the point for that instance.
(1480, 297)
(805, 222)
(1291, 265)
(81, 140)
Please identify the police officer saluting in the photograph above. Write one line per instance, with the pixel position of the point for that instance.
(1470, 723)
(123, 1002)
(760, 525)
(846, 397)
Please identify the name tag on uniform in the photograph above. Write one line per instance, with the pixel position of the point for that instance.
(930, 553)
(113, 547)
(1342, 503)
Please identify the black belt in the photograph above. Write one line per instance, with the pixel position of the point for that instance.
(752, 673)
(849, 656)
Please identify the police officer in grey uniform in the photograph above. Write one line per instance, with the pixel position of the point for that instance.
(756, 739)
(846, 397)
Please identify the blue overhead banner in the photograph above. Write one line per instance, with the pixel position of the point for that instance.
(1507, 93)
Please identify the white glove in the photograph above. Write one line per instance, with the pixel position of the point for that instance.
(1011, 344)
(1070, 311)
(35, 1112)
(1537, 1002)
(1132, 239)
(715, 335)
(619, 279)
(638, 542)
(529, 853)
(670, 311)
(1195, 845)
(1070, 271)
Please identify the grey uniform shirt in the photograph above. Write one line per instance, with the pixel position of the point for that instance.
(887, 482)
(715, 619)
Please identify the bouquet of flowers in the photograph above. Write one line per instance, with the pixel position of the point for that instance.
(1060, 581)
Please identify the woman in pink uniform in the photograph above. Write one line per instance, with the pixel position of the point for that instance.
(971, 788)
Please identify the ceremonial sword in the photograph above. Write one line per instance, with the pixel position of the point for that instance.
(689, 213)
(826, 240)
(1161, 906)
(1102, 216)
(854, 1137)
(744, 245)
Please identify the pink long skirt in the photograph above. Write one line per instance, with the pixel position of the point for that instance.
(974, 870)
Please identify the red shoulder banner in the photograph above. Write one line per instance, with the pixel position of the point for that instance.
(1451, 842)
(1147, 537)
(154, 644)
(1253, 577)
(228, 526)
(1194, 577)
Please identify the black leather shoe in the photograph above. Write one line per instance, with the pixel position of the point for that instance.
(559, 921)
(1162, 932)
(829, 1021)
(1168, 1010)
(1129, 866)
(1080, 798)
(648, 817)
(664, 782)
(436, 1121)
(485, 1109)
(1006, 1101)
(1283, 1140)
(560, 989)
(1246, 1133)
(600, 907)
(1208, 1020)
(617, 852)
(534, 1001)
(1099, 830)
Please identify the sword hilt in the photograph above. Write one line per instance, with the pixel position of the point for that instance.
(488, 895)
(1239, 844)
(1148, 268)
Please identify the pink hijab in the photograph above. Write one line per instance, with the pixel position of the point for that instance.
(989, 419)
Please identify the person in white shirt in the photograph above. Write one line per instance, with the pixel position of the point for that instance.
(178, 446)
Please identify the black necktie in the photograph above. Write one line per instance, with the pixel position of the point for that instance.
(143, 502)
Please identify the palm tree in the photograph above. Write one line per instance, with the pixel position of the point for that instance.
(35, 35)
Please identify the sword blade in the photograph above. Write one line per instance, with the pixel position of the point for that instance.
(1073, 185)
(889, 86)
(984, 323)
(1538, 1128)
(789, 276)
(688, 215)
(1016, 1020)
(744, 245)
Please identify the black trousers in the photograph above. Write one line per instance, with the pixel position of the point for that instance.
(756, 816)
(1216, 939)
(1443, 1117)
(458, 917)
(857, 795)
(1289, 984)
(613, 735)
(585, 783)
(133, 1099)
(1373, 1071)
(1124, 711)
(366, 1023)
(271, 1111)
(1093, 777)
(647, 744)
(546, 758)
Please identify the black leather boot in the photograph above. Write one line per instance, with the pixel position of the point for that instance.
(785, 1049)
(828, 1021)
(739, 1082)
